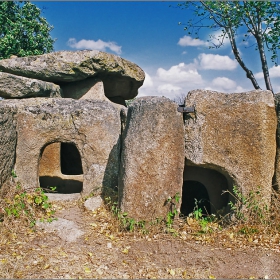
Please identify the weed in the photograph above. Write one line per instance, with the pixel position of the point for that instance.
(206, 223)
(173, 212)
(249, 207)
(248, 230)
(126, 223)
(27, 206)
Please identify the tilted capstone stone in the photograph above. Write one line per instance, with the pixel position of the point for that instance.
(120, 77)
(12, 86)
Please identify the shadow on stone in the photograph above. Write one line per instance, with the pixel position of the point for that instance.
(70, 159)
(62, 185)
(192, 191)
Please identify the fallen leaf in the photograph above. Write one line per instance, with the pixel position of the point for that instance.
(90, 254)
(172, 272)
(212, 277)
(47, 266)
(125, 251)
(87, 270)
(93, 225)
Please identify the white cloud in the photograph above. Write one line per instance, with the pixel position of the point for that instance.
(94, 45)
(216, 62)
(224, 84)
(274, 72)
(259, 75)
(180, 73)
(148, 82)
(168, 88)
(189, 41)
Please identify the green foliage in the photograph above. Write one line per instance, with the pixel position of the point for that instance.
(126, 223)
(249, 207)
(173, 212)
(207, 223)
(257, 22)
(23, 31)
(28, 206)
(13, 173)
(128, 102)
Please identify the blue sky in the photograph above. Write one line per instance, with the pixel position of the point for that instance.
(148, 34)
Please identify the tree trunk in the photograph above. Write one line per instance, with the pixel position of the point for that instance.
(264, 62)
(249, 73)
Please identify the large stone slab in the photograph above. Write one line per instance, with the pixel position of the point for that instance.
(120, 77)
(12, 86)
(234, 134)
(152, 160)
(8, 139)
(93, 127)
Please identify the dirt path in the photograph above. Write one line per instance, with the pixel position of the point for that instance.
(101, 252)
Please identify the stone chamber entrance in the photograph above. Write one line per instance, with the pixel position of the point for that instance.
(204, 188)
(60, 166)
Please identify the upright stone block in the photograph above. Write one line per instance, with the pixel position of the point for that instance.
(152, 160)
(235, 135)
(8, 139)
(94, 127)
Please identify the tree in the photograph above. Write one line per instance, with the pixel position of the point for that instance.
(23, 31)
(257, 20)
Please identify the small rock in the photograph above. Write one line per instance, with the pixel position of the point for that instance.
(93, 203)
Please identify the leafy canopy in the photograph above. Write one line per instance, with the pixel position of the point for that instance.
(23, 31)
(257, 21)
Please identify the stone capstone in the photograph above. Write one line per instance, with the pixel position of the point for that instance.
(234, 134)
(94, 127)
(152, 160)
(12, 86)
(120, 77)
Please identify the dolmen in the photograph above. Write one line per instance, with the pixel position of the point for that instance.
(65, 124)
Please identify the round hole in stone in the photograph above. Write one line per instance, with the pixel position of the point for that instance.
(195, 191)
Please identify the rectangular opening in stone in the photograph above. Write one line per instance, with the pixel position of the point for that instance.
(70, 159)
(58, 158)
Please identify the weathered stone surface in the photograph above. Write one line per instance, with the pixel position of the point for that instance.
(152, 160)
(63, 196)
(67, 230)
(120, 77)
(90, 88)
(7, 142)
(93, 127)
(235, 135)
(12, 86)
(93, 203)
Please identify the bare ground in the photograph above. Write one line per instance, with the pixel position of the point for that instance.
(105, 253)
